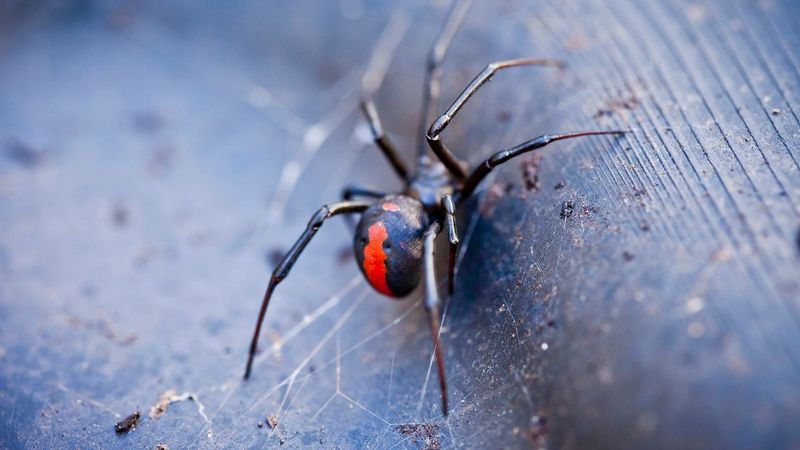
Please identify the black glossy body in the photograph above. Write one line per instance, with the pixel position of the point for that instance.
(403, 220)
(430, 183)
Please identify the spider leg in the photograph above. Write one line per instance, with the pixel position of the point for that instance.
(453, 164)
(432, 304)
(498, 158)
(349, 192)
(290, 258)
(449, 208)
(433, 66)
(382, 140)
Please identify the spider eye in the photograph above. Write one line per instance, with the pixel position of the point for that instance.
(387, 246)
(363, 241)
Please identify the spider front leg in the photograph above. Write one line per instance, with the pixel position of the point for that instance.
(503, 156)
(280, 272)
(453, 164)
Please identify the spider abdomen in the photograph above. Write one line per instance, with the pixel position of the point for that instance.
(388, 244)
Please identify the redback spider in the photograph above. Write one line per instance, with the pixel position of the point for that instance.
(394, 240)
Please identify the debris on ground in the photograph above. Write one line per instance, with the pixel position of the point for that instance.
(567, 208)
(147, 122)
(427, 433)
(23, 154)
(120, 215)
(530, 172)
(538, 429)
(344, 254)
(272, 421)
(493, 195)
(617, 105)
(169, 396)
(162, 404)
(128, 423)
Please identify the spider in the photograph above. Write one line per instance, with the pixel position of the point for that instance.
(394, 239)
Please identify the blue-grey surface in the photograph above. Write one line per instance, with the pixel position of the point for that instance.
(611, 293)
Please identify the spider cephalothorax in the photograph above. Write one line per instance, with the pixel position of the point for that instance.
(394, 241)
(388, 244)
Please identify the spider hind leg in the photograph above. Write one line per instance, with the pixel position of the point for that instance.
(285, 266)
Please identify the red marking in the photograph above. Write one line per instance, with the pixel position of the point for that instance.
(391, 207)
(375, 258)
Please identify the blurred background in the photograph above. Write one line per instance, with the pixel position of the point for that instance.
(156, 160)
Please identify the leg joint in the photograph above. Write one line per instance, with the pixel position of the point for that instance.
(498, 158)
(319, 217)
(280, 272)
(448, 205)
(437, 127)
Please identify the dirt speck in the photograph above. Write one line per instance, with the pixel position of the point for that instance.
(577, 41)
(559, 185)
(721, 255)
(503, 116)
(129, 423)
(775, 111)
(617, 105)
(272, 421)
(24, 155)
(162, 404)
(627, 256)
(344, 255)
(637, 196)
(162, 447)
(567, 209)
(538, 428)
(147, 122)
(161, 161)
(120, 216)
(495, 192)
(530, 172)
(426, 434)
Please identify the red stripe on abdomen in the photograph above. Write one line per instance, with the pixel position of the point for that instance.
(375, 258)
